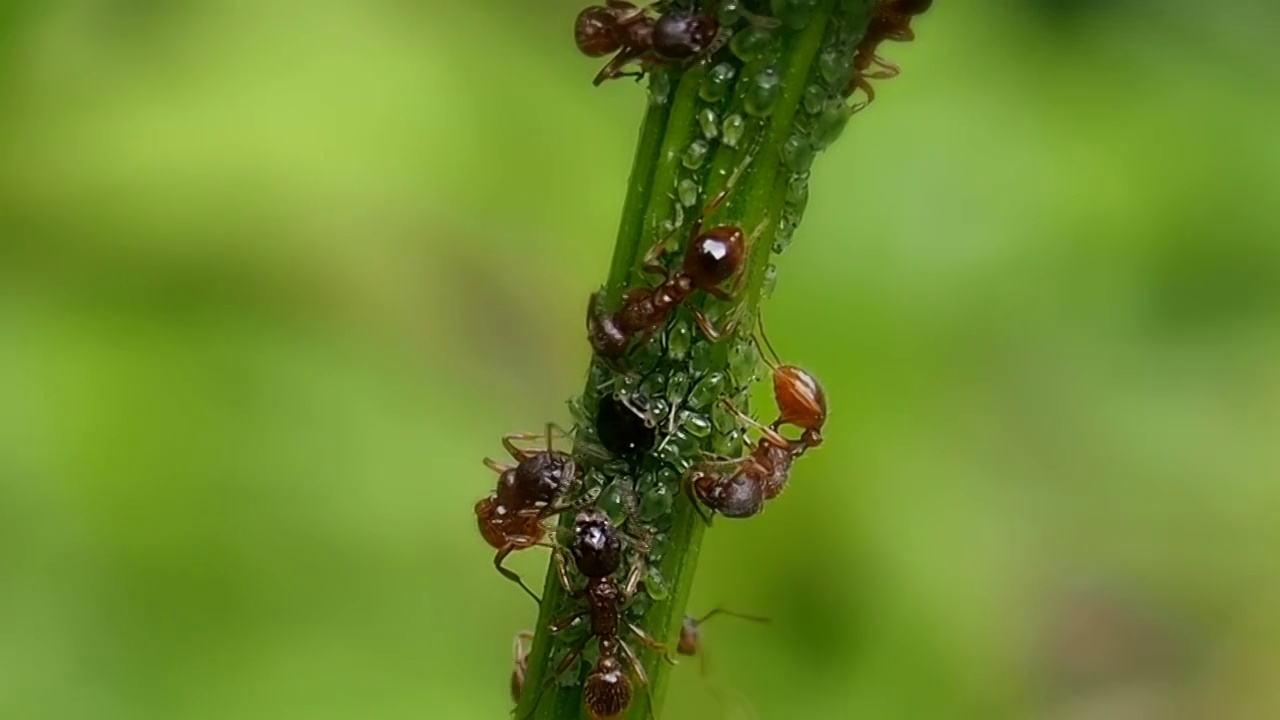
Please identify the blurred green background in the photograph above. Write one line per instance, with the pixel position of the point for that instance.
(275, 276)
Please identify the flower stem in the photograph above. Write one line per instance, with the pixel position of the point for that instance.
(788, 86)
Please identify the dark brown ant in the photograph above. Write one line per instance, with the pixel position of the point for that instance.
(690, 644)
(597, 553)
(635, 34)
(512, 517)
(711, 258)
(751, 480)
(891, 21)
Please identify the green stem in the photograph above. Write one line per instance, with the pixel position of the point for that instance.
(682, 356)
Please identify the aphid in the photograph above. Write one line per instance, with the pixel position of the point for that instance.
(635, 34)
(711, 258)
(512, 517)
(739, 488)
(890, 21)
(520, 647)
(621, 429)
(597, 553)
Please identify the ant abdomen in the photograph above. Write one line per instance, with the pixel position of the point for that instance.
(595, 31)
(715, 255)
(740, 496)
(801, 401)
(607, 691)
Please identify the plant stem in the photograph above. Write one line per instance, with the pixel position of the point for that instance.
(766, 202)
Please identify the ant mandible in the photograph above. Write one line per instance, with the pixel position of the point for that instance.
(711, 258)
(891, 21)
(534, 489)
(634, 34)
(742, 490)
(597, 553)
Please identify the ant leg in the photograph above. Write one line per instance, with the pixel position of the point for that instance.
(560, 669)
(769, 433)
(648, 641)
(687, 485)
(512, 575)
(713, 334)
(887, 70)
(563, 572)
(519, 453)
(496, 466)
(731, 613)
(761, 335)
(559, 624)
(638, 669)
(614, 68)
(861, 83)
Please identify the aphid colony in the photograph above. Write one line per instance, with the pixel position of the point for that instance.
(608, 552)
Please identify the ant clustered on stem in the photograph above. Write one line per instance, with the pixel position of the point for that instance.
(738, 488)
(597, 554)
(891, 21)
(637, 34)
(536, 488)
(711, 257)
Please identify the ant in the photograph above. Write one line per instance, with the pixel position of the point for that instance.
(690, 639)
(634, 34)
(690, 644)
(762, 475)
(890, 21)
(528, 492)
(711, 258)
(597, 553)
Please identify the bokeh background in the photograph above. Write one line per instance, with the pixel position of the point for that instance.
(275, 276)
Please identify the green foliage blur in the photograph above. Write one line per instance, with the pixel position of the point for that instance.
(275, 276)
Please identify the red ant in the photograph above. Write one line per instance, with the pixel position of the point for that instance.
(763, 474)
(711, 258)
(890, 21)
(534, 489)
(597, 553)
(635, 34)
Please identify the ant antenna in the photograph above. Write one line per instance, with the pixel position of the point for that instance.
(762, 335)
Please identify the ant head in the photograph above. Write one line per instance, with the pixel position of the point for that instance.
(607, 691)
(681, 34)
(715, 255)
(544, 477)
(737, 496)
(607, 338)
(491, 517)
(801, 401)
(596, 31)
(596, 548)
(688, 644)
